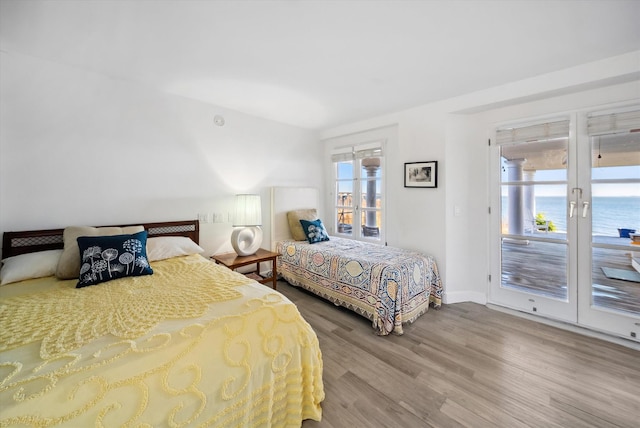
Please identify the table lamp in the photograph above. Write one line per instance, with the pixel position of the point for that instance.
(246, 238)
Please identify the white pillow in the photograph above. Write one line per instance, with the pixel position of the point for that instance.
(165, 247)
(28, 266)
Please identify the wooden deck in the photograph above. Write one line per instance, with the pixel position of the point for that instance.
(541, 267)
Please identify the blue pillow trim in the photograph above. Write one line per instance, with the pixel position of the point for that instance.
(314, 230)
(105, 258)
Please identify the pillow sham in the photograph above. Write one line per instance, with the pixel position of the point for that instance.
(105, 258)
(29, 266)
(165, 247)
(314, 230)
(294, 217)
(69, 263)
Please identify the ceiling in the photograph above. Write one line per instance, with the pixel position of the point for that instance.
(606, 150)
(318, 64)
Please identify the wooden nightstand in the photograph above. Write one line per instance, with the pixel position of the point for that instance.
(234, 261)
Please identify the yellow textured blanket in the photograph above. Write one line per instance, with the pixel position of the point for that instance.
(194, 344)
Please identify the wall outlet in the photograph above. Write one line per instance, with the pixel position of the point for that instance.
(207, 218)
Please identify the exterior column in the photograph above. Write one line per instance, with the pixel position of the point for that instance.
(516, 202)
(530, 199)
(371, 165)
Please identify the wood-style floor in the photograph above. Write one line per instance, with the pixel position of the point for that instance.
(468, 366)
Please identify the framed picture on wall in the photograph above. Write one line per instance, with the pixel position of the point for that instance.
(421, 174)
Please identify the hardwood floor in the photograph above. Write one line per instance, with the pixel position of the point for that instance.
(468, 366)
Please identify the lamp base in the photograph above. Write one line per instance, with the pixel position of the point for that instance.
(246, 240)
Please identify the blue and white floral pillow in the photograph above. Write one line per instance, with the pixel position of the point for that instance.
(314, 230)
(104, 258)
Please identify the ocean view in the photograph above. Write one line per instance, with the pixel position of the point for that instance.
(608, 213)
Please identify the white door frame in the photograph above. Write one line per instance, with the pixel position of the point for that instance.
(600, 319)
(578, 309)
(549, 307)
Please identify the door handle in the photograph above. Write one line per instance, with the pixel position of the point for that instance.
(585, 207)
(572, 207)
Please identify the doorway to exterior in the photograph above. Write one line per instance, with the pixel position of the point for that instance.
(565, 202)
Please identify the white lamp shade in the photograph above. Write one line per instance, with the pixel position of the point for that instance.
(248, 211)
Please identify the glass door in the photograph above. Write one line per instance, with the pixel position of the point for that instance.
(533, 234)
(609, 221)
(566, 238)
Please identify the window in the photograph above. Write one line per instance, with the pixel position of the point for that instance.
(358, 189)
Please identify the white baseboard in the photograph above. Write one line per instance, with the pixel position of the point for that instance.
(566, 326)
(464, 296)
(481, 298)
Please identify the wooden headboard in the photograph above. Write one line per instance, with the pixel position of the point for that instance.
(15, 243)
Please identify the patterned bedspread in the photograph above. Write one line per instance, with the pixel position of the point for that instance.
(194, 344)
(390, 286)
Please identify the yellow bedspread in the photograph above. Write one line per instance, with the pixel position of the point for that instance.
(194, 344)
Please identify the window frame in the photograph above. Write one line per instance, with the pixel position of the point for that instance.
(355, 154)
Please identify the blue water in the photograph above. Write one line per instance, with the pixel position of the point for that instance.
(608, 213)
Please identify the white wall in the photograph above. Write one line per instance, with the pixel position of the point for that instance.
(466, 209)
(78, 147)
(454, 132)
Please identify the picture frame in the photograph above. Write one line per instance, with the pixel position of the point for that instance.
(421, 174)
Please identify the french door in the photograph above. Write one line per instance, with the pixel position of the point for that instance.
(609, 274)
(562, 188)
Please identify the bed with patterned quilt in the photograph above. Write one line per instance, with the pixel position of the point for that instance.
(147, 333)
(389, 286)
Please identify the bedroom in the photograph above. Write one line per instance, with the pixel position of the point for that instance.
(89, 135)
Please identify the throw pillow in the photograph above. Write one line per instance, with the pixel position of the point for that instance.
(104, 258)
(294, 217)
(314, 230)
(69, 263)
